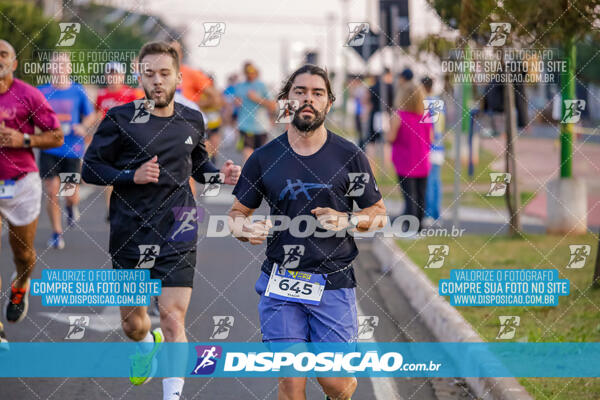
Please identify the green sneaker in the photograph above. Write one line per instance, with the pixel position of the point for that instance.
(3, 341)
(143, 365)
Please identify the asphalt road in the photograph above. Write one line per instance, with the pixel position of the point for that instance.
(224, 286)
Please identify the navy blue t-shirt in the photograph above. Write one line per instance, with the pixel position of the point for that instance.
(335, 176)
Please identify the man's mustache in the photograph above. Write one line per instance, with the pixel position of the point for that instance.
(307, 106)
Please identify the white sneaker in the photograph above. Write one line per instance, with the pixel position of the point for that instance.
(56, 241)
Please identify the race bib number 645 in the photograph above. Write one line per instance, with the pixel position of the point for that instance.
(296, 286)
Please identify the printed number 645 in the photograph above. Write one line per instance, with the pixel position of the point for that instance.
(284, 284)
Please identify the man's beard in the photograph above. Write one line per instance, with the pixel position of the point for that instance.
(305, 126)
(4, 70)
(160, 104)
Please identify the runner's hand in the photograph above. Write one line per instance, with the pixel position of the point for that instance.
(10, 137)
(148, 172)
(231, 172)
(331, 219)
(252, 95)
(257, 232)
(79, 130)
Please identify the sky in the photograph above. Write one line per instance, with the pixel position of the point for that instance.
(275, 34)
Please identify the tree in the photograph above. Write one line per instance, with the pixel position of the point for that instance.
(472, 18)
(28, 30)
(596, 279)
(587, 49)
(562, 22)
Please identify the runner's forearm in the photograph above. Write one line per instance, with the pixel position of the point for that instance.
(198, 171)
(236, 222)
(239, 216)
(101, 174)
(371, 218)
(89, 123)
(48, 139)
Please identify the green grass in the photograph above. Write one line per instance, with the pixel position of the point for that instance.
(475, 196)
(575, 319)
(387, 179)
(477, 199)
(481, 171)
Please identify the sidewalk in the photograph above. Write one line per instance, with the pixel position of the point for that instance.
(470, 214)
(538, 161)
(537, 208)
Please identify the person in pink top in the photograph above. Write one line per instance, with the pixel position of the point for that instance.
(22, 109)
(410, 139)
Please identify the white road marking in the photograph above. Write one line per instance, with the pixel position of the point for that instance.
(383, 388)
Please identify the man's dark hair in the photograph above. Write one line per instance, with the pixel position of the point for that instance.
(427, 83)
(159, 48)
(306, 69)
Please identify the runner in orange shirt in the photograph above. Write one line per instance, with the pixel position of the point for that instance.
(193, 84)
(193, 81)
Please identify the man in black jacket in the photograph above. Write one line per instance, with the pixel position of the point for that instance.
(147, 150)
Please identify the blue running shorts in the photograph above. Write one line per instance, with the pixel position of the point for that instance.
(333, 320)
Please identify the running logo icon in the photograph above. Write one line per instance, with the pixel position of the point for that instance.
(358, 33)
(207, 359)
(291, 255)
(212, 185)
(212, 34)
(68, 33)
(148, 254)
(186, 223)
(500, 32)
(77, 325)
(287, 108)
(500, 181)
(433, 108)
(572, 110)
(508, 326)
(358, 182)
(142, 109)
(437, 255)
(579, 254)
(366, 326)
(222, 326)
(293, 189)
(68, 183)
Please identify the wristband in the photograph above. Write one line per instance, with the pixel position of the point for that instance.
(352, 220)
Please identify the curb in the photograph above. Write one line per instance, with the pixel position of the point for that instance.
(440, 317)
